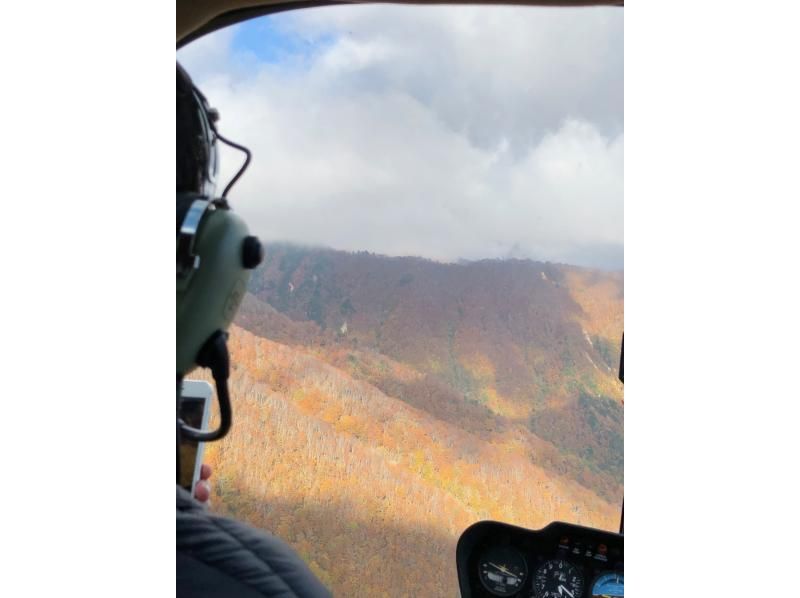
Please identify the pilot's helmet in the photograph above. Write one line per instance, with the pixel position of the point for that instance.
(196, 139)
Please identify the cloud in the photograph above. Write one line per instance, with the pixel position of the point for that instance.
(447, 132)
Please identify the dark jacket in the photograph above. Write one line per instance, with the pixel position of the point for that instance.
(224, 558)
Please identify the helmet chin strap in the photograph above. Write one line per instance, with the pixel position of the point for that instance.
(213, 355)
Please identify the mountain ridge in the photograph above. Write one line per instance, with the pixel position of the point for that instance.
(527, 340)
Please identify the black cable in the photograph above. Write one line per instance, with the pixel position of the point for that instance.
(212, 116)
(214, 355)
(248, 156)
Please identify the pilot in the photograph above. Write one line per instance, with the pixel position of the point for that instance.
(216, 556)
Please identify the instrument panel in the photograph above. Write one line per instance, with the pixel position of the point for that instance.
(561, 560)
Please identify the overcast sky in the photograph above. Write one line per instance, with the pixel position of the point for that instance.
(445, 132)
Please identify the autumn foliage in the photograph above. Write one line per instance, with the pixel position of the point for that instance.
(382, 405)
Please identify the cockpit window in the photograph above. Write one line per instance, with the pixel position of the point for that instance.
(434, 336)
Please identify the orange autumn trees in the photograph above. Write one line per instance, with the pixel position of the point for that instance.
(348, 474)
(382, 405)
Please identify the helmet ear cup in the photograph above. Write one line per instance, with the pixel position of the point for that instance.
(210, 294)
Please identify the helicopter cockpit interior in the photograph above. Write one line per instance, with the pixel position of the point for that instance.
(306, 334)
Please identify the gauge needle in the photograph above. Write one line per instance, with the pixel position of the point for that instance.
(504, 570)
(562, 589)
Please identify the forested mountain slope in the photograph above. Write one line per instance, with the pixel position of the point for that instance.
(382, 405)
(372, 491)
(527, 342)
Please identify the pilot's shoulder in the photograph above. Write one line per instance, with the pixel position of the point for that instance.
(217, 556)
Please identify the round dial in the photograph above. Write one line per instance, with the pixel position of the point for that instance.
(502, 570)
(608, 585)
(558, 579)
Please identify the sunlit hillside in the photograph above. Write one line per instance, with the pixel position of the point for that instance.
(382, 405)
(490, 343)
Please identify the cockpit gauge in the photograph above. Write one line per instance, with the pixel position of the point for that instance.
(608, 585)
(558, 579)
(502, 570)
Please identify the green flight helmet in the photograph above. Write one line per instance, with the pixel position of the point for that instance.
(215, 252)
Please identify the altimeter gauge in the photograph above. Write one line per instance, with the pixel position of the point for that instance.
(558, 579)
(502, 570)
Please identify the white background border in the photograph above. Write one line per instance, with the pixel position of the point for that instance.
(711, 298)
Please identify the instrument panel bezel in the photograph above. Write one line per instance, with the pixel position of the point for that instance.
(536, 546)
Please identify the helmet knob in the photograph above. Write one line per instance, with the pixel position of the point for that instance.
(252, 252)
